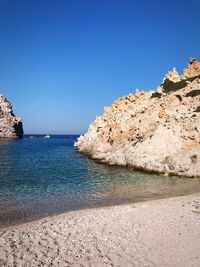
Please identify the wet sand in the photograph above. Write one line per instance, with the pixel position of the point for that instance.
(164, 232)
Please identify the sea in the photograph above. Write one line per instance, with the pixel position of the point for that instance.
(43, 177)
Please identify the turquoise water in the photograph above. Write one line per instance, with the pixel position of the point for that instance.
(41, 177)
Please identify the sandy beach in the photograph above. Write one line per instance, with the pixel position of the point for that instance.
(164, 232)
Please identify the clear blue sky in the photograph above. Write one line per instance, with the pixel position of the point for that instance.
(62, 61)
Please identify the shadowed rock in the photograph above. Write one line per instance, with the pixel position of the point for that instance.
(10, 125)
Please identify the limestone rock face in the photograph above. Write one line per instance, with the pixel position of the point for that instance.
(172, 76)
(155, 131)
(192, 69)
(10, 126)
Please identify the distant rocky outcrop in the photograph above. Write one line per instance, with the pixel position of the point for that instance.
(10, 126)
(155, 131)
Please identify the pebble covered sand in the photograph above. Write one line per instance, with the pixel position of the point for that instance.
(164, 232)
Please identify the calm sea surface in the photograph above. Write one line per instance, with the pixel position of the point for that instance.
(41, 177)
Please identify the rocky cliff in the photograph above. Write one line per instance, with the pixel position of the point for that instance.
(10, 126)
(155, 131)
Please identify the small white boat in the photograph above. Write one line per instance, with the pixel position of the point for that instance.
(47, 136)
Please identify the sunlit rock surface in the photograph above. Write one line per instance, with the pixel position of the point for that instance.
(10, 125)
(156, 131)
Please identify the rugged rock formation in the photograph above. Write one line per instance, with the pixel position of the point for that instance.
(10, 126)
(156, 131)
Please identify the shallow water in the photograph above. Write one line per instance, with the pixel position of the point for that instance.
(41, 177)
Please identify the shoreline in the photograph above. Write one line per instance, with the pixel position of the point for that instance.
(136, 168)
(161, 232)
(89, 208)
